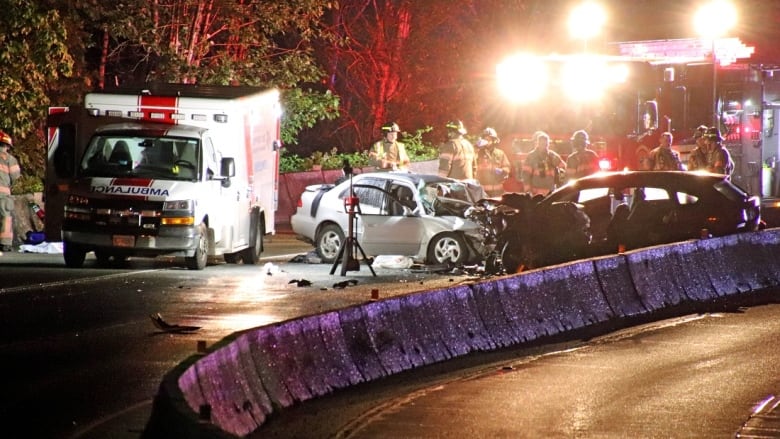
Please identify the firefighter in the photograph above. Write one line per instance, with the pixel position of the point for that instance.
(718, 159)
(698, 157)
(492, 164)
(9, 173)
(583, 161)
(389, 154)
(663, 157)
(456, 155)
(543, 169)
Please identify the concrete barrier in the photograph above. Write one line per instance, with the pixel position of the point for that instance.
(275, 366)
(617, 286)
(656, 277)
(693, 274)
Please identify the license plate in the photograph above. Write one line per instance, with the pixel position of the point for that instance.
(124, 240)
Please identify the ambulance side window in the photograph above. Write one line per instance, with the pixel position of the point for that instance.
(211, 158)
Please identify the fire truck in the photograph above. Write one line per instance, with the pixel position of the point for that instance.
(181, 170)
(673, 87)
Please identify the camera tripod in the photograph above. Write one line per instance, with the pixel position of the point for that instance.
(350, 246)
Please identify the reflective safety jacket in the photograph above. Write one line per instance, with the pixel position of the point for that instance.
(492, 169)
(456, 159)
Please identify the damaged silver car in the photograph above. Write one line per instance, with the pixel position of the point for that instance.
(399, 213)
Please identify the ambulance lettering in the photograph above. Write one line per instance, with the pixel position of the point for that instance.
(131, 190)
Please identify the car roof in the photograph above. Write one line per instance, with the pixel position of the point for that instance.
(413, 178)
(680, 180)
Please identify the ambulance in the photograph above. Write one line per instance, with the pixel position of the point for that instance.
(179, 170)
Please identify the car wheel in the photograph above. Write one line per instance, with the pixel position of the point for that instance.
(74, 255)
(329, 241)
(199, 259)
(447, 248)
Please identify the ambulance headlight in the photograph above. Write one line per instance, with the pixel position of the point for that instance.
(77, 200)
(178, 213)
(187, 205)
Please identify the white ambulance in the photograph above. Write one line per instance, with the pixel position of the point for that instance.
(179, 170)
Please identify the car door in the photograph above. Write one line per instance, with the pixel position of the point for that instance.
(391, 230)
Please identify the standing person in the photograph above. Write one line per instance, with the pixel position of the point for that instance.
(663, 157)
(543, 168)
(719, 159)
(388, 153)
(9, 172)
(456, 155)
(583, 161)
(698, 157)
(492, 164)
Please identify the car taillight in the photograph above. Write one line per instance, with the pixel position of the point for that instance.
(300, 202)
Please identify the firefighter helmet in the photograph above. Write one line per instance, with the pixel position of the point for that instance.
(456, 125)
(491, 133)
(580, 139)
(390, 127)
(701, 130)
(5, 139)
(713, 133)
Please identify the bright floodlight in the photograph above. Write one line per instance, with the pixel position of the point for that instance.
(715, 18)
(586, 20)
(522, 78)
(585, 78)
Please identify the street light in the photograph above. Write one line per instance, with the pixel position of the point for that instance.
(712, 21)
(586, 21)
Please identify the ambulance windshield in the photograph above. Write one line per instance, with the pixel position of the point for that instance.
(121, 155)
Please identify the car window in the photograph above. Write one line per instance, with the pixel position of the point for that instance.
(369, 192)
(654, 193)
(590, 194)
(684, 198)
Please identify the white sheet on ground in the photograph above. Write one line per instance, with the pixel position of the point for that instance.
(44, 247)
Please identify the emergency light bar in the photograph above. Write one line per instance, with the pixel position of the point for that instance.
(156, 115)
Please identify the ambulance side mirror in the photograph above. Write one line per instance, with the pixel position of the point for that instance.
(227, 170)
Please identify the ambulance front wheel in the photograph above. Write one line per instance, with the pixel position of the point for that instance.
(198, 260)
(74, 255)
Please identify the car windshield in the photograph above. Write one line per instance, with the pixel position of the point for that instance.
(730, 190)
(123, 155)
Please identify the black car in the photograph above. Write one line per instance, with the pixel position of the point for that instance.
(628, 210)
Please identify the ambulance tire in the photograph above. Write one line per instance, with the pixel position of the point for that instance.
(251, 254)
(200, 258)
(74, 255)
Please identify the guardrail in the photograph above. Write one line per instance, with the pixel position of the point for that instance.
(232, 389)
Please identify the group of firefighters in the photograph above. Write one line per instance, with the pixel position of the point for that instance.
(543, 169)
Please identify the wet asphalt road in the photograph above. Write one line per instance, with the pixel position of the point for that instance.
(83, 360)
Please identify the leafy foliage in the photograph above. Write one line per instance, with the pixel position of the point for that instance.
(416, 147)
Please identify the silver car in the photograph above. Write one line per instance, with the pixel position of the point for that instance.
(398, 213)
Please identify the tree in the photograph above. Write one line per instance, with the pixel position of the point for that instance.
(267, 44)
(33, 54)
(418, 63)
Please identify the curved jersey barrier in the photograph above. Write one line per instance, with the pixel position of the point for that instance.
(231, 390)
